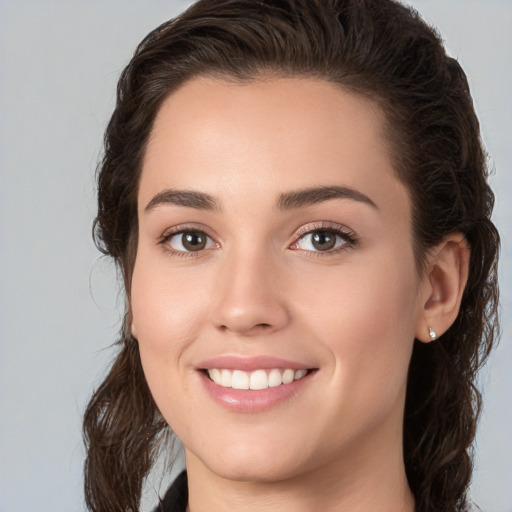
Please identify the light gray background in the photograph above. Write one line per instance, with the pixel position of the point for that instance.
(59, 62)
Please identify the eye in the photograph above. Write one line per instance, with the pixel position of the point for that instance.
(189, 241)
(324, 240)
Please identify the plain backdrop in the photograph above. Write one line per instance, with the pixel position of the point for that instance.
(59, 305)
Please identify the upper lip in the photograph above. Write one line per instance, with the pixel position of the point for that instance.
(263, 362)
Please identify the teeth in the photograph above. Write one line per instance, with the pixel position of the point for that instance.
(215, 375)
(225, 378)
(288, 376)
(258, 379)
(240, 380)
(275, 378)
(299, 374)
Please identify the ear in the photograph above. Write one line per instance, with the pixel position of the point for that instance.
(443, 284)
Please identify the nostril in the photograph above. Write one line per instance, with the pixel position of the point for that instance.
(246, 329)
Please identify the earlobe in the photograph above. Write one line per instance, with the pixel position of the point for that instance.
(444, 282)
(133, 330)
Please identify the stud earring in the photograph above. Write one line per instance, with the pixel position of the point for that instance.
(432, 333)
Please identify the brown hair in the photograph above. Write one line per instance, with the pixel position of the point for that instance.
(376, 48)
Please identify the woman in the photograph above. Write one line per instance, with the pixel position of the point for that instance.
(296, 195)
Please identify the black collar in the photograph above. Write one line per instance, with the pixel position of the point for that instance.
(176, 497)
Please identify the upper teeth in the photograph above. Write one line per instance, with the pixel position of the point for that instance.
(258, 379)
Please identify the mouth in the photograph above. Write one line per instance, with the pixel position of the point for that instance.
(254, 384)
(258, 379)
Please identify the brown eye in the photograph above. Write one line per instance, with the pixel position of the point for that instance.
(190, 241)
(193, 241)
(323, 240)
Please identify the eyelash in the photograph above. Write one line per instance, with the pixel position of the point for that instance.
(348, 236)
(180, 230)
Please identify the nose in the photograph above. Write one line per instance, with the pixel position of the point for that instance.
(250, 299)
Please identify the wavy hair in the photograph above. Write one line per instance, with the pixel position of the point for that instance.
(381, 50)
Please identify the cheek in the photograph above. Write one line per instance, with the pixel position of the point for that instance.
(167, 306)
(368, 294)
(168, 309)
(365, 313)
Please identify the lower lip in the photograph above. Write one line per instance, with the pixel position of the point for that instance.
(247, 400)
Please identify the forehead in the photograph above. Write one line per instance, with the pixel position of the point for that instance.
(268, 135)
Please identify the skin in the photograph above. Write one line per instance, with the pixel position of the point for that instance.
(260, 287)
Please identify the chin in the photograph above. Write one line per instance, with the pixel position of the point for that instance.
(265, 473)
(255, 465)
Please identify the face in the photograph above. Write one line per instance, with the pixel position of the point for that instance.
(274, 254)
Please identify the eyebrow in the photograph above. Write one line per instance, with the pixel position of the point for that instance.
(188, 198)
(310, 196)
(287, 201)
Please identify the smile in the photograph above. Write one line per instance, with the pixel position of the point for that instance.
(254, 384)
(255, 380)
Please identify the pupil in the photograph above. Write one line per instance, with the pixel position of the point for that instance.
(194, 241)
(323, 240)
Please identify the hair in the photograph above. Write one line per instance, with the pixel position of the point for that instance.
(378, 49)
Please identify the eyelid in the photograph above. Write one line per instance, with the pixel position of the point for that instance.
(169, 233)
(179, 228)
(346, 233)
(324, 225)
(350, 237)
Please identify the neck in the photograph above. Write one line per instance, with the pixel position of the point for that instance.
(370, 479)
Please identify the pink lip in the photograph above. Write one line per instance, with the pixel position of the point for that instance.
(249, 364)
(243, 400)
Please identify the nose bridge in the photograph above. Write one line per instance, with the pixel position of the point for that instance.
(249, 299)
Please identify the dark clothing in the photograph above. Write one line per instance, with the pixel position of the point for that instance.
(176, 498)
